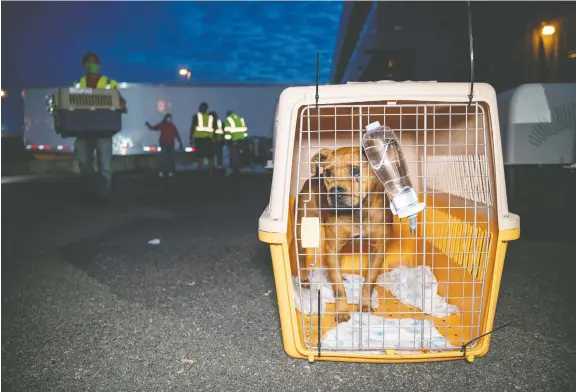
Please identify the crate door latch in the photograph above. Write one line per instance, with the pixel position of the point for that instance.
(310, 232)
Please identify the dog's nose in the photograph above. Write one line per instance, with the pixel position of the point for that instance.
(337, 192)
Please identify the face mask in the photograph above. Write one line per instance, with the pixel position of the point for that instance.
(92, 68)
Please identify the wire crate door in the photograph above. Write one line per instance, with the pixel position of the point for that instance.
(364, 283)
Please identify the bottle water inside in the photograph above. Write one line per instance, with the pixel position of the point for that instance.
(385, 155)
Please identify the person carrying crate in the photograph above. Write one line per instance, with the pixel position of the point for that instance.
(84, 146)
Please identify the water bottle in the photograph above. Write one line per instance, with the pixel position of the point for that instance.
(387, 160)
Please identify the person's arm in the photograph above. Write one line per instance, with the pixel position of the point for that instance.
(153, 127)
(123, 106)
(245, 127)
(214, 128)
(227, 124)
(192, 128)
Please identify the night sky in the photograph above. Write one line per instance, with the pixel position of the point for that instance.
(146, 42)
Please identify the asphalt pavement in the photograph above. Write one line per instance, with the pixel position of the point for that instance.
(89, 305)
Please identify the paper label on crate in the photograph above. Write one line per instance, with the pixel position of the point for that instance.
(310, 232)
(80, 90)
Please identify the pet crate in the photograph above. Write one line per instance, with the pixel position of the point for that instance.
(435, 293)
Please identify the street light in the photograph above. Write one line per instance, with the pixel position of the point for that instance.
(548, 30)
(3, 93)
(185, 73)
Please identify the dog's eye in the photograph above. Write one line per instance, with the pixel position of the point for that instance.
(356, 171)
(327, 173)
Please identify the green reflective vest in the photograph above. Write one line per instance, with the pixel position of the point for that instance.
(204, 126)
(236, 127)
(103, 82)
(219, 132)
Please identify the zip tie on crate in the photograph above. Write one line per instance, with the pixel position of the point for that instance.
(317, 77)
(465, 345)
(471, 41)
(319, 325)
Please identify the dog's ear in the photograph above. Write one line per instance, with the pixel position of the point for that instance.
(318, 160)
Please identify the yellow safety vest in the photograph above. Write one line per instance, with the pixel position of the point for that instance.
(204, 127)
(219, 133)
(236, 127)
(103, 82)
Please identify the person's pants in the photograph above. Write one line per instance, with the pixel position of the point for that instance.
(243, 153)
(234, 156)
(218, 146)
(84, 150)
(167, 160)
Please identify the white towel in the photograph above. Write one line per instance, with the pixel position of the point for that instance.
(306, 300)
(417, 287)
(379, 333)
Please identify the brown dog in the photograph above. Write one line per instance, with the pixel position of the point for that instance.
(350, 201)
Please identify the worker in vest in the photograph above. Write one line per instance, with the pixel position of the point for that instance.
(219, 140)
(84, 146)
(235, 126)
(201, 137)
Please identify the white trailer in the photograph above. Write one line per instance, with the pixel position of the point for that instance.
(538, 124)
(256, 103)
(538, 133)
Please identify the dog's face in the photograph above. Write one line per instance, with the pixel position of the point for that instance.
(346, 174)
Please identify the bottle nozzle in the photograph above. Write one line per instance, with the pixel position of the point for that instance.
(413, 224)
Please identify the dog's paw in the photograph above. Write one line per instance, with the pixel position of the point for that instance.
(367, 309)
(342, 318)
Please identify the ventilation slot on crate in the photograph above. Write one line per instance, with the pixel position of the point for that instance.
(87, 101)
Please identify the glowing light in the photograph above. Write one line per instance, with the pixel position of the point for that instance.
(548, 30)
(185, 72)
(3, 94)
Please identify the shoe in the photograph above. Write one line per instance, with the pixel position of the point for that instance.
(160, 174)
(170, 174)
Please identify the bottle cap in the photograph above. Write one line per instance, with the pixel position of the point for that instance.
(406, 203)
(373, 127)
